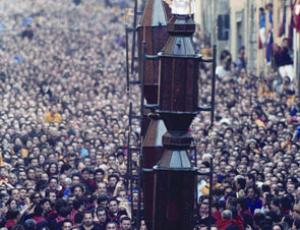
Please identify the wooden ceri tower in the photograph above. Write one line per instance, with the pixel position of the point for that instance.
(152, 35)
(175, 176)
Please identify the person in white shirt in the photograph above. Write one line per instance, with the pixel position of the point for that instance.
(224, 69)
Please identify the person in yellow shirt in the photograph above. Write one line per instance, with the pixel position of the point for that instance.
(53, 116)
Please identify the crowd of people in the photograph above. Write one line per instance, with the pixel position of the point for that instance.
(63, 115)
(254, 147)
(64, 122)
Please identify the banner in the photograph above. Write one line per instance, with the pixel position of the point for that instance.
(297, 16)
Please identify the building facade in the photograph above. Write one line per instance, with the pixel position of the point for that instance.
(246, 28)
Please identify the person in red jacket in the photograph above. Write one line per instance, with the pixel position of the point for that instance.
(225, 220)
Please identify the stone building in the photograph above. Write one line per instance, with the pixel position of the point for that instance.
(231, 24)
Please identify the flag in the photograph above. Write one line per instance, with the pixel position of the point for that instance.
(281, 30)
(297, 16)
(262, 29)
(269, 47)
(260, 44)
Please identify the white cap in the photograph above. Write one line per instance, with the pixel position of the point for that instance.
(183, 7)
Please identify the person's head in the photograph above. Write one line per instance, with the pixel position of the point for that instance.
(101, 215)
(232, 227)
(67, 224)
(277, 227)
(226, 215)
(99, 175)
(101, 188)
(51, 195)
(38, 210)
(35, 198)
(296, 212)
(30, 224)
(203, 209)
(285, 43)
(102, 201)
(22, 175)
(242, 51)
(85, 173)
(143, 225)
(240, 182)
(46, 205)
(125, 223)
(52, 169)
(122, 169)
(53, 183)
(225, 58)
(296, 225)
(291, 188)
(261, 10)
(113, 180)
(113, 205)
(75, 179)
(78, 190)
(12, 214)
(31, 174)
(15, 195)
(12, 204)
(275, 205)
(87, 219)
(111, 226)
(251, 192)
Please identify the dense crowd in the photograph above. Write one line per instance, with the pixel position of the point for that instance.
(63, 127)
(63, 121)
(254, 146)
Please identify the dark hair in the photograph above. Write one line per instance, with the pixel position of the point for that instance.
(113, 199)
(297, 224)
(88, 212)
(265, 188)
(232, 227)
(113, 175)
(287, 202)
(64, 211)
(53, 178)
(99, 171)
(87, 169)
(241, 48)
(77, 203)
(243, 203)
(224, 54)
(251, 176)
(75, 174)
(261, 9)
(65, 167)
(241, 181)
(30, 224)
(77, 186)
(258, 218)
(66, 221)
(41, 185)
(276, 201)
(47, 194)
(112, 223)
(102, 198)
(125, 218)
(100, 209)
(38, 210)
(60, 203)
(255, 190)
(18, 227)
(44, 200)
(12, 214)
(78, 218)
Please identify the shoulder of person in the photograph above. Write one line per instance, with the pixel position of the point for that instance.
(219, 69)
